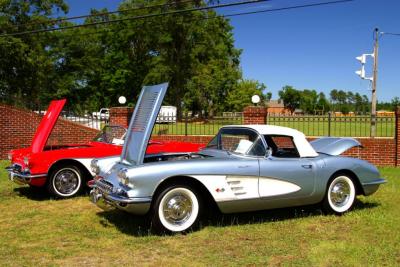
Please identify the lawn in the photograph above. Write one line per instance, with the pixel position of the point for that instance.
(36, 230)
(358, 126)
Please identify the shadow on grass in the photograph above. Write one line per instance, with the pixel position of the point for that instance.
(39, 193)
(32, 193)
(140, 225)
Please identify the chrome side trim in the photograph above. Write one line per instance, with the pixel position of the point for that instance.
(128, 200)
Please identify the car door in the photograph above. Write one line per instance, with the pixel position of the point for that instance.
(283, 174)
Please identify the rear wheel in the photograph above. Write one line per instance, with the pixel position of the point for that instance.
(340, 195)
(65, 181)
(177, 209)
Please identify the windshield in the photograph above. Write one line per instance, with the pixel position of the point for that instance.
(239, 141)
(111, 135)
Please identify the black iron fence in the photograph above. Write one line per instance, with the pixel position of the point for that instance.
(95, 120)
(331, 125)
(187, 125)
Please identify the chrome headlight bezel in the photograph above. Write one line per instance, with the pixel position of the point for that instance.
(123, 176)
(94, 166)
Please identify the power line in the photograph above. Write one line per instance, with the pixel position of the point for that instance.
(58, 20)
(138, 17)
(184, 11)
(390, 33)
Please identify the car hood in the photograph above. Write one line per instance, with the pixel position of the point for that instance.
(333, 145)
(46, 125)
(142, 123)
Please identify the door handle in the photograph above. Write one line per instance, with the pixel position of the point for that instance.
(307, 166)
(244, 166)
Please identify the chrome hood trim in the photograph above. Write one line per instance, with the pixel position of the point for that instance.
(334, 145)
(142, 123)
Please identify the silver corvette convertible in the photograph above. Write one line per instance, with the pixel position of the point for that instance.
(243, 168)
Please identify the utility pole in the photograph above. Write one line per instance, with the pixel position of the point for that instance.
(374, 80)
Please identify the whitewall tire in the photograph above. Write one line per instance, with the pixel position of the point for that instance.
(340, 195)
(65, 182)
(177, 209)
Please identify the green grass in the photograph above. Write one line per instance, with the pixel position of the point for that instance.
(358, 126)
(36, 230)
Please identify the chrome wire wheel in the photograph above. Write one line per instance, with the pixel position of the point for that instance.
(341, 194)
(66, 182)
(178, 209)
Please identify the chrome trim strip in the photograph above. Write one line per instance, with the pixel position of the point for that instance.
(375, 182)
(127, 200)
(26, 176)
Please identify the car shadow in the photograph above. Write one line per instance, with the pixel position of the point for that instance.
(140, 225)
(39, 193)
(32, 193)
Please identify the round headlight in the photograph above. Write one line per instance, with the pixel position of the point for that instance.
(123, 176)
(94, 166)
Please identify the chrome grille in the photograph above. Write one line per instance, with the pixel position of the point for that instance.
(104, 186)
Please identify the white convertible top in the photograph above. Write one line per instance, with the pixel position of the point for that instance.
(303, 146)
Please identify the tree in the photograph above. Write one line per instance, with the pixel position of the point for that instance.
(323, 103)
(268, 96)
(24, 62)
(240, 96)
(290, 97)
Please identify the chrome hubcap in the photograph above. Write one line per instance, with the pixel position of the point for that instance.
(340, 193)
(66, 181)
(177, 208)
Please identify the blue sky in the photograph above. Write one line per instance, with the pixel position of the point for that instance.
(310, 48)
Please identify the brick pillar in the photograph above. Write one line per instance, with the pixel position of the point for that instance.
(255, 115)
(397, 135)
(120, 116)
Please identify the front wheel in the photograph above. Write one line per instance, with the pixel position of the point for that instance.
(65, 181)
(176, 209)
(340, 195)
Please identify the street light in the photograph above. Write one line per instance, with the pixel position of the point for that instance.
(122, 100)
(255, 99)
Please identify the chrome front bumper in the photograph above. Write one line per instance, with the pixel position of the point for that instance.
(371, 187)
(21, 178)
(109, 201)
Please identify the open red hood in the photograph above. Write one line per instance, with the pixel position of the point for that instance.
(47, 125)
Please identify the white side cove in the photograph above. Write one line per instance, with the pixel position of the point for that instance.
(86, 162)
(272, 187)
(228, 188)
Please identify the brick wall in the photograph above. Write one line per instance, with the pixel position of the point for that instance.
(255, 115)
(18, 126)
(120, 116)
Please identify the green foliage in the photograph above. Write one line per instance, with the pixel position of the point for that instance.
(291, 97)
(240, 96)
(93, 66)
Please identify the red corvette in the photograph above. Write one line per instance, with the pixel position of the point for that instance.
(65, 169)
